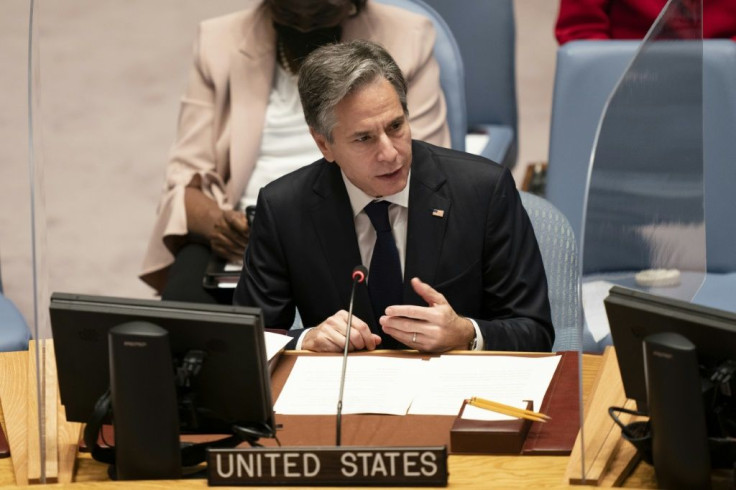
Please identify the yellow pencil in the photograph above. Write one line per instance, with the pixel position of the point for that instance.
(491, 404)
(508, 410)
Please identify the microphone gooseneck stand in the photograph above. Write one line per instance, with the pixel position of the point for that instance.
(359, 275)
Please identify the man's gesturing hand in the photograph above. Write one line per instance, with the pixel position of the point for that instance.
(433, 328)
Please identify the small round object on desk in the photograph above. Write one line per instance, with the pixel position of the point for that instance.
(658, 278)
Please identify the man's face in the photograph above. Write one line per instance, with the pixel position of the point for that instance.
(371, 141)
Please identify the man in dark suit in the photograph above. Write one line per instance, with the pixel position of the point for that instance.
(449, 223)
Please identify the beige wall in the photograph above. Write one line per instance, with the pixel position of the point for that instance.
(111, 75)
(536, 49)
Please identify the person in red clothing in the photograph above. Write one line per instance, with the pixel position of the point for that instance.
(631, 19)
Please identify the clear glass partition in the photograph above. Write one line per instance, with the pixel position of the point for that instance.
(644, 217)
(644, 222)
(104, 79)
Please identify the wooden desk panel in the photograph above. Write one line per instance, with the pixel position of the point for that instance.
(476, 472)
(426, 430)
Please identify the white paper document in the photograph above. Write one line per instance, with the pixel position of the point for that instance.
(275, 342)
(390, 385)
(594, 293)
(475, 143)
(452, 379)
(373, 384)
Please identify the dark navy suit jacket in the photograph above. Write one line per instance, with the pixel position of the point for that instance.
(481, 254)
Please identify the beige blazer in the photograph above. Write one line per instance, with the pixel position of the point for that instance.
(224, 106)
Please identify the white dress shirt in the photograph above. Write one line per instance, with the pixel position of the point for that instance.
(398, 216)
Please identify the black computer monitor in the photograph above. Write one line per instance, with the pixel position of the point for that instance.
(634, 315)
(232, 388)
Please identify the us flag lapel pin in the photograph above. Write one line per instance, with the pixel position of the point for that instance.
(438, 213)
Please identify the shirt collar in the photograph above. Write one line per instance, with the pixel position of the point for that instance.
(359, 199)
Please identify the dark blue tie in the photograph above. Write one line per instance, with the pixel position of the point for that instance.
(384, 276)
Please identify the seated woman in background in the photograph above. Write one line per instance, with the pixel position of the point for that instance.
(241, 123)
(631, 19)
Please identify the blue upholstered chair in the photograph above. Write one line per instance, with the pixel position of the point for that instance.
(585, 76)
(560, 257)
(485, 31)
(14, 334)
(587, 72)
(719, 153)
(452, 73)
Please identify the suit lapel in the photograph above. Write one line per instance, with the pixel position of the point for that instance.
(332, 218)
(251, 76)
(429, 211)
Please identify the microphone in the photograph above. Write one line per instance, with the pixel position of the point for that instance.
(359, 275)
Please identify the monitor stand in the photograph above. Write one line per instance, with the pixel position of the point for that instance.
(144, 403)
(676, 412)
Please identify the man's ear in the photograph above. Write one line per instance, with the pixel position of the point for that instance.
(324, 146)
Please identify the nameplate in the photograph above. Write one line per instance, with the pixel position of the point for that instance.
(348, 466)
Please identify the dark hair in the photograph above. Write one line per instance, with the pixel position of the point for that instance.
(359, 4)
(289, 12)
(333, 71)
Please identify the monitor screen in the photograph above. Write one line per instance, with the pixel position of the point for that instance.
(634, 315)
(233, 385)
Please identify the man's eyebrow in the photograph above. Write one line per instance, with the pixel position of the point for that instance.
(399, 119)
(359, 134)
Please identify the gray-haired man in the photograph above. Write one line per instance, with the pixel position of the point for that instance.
(458, 245)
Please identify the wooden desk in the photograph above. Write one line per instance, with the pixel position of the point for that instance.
(479, 472)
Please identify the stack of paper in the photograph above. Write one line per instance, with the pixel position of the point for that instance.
(399, 386)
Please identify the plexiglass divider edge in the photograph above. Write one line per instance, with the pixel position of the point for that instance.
(643, 217)
(103, 87)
